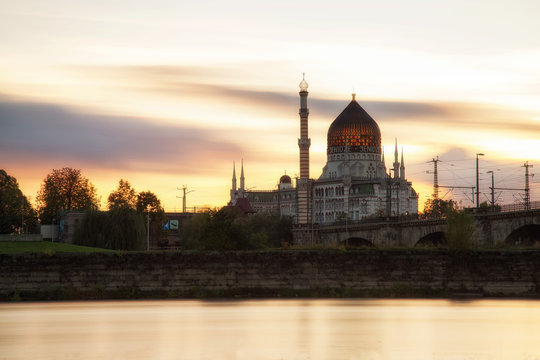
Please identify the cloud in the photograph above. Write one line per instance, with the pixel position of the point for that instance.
(38, 133)
(213, 83)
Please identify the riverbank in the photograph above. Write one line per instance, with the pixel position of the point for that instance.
(280, 273)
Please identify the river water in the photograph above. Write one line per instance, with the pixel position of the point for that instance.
(272, 329)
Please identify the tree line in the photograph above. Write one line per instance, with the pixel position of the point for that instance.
(65, 190)
(123, 226)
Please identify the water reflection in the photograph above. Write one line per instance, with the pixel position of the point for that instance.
(272, 329)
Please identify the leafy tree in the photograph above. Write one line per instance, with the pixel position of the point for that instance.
(486, 207)
(148, 203)
(65, 190)
(118, 229)
(272, 228)
(226, 229)
(123, 197)
(460, 230)
(16, 213)
(437, 208)
(194, 230)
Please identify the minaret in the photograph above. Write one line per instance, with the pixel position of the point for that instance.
(396, 163)
(304, 142)
(303, 184)
(233, 189)
(402, 167)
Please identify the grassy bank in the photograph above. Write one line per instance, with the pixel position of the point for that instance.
(45, 247)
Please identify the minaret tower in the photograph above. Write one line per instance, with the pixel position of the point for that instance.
(304, 143)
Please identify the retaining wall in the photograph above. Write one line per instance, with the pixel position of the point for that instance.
(279, 273)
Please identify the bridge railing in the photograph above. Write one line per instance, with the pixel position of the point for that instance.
(520, 206)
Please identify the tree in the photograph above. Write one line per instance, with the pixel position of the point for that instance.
(123, 197)
(437, 208)
(226, 229)
(16, 213)
(148, 203)
(65, 190)
(119, 229)
(459, 230)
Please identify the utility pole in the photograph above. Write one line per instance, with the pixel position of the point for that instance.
(435, 178)
(527, 187)
(477, 182)
(492, 189)
(184, 193)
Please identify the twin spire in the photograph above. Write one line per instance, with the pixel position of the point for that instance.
(242, 179)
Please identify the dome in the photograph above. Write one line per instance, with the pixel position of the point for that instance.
(354, 128)
(285, 179)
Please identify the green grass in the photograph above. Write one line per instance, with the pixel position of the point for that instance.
(46, 247)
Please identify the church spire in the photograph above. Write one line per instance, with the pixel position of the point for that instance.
(396, 162)
(233, 176)
(402, 167)
(242, 180)
(233, 188)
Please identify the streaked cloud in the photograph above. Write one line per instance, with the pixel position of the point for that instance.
(41, 133)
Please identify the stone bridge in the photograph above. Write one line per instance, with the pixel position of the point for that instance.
(513, 228)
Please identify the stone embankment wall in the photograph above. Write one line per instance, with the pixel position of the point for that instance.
(21, 237)
(266, 274)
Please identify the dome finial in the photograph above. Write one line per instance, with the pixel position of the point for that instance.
(303, 84)
(353, 96)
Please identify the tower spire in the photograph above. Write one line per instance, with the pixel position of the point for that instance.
(233, 188)
(396, 162)
(402, 166)
(242, 179)
(234, 176)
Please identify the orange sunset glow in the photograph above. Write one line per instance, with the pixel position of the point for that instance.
(170, 93)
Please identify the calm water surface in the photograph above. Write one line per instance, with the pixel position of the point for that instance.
(272, 329)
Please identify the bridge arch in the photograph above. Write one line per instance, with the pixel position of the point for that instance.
(433, 239)
(526, 235)
(358, 242)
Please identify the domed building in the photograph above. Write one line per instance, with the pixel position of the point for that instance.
(354, 183)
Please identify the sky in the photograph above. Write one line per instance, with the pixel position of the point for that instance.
(167, 94)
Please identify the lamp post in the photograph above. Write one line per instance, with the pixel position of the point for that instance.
(148, 231)
(477, 182)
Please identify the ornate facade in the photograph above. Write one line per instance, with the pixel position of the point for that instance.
(354, 183)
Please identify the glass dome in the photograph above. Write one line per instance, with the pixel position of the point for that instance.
(355, 131)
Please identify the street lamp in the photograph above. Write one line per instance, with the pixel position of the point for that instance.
(492, 188)
(148, 231)
(477, 182)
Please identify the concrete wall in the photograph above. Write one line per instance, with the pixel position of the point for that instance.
(280, 273)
